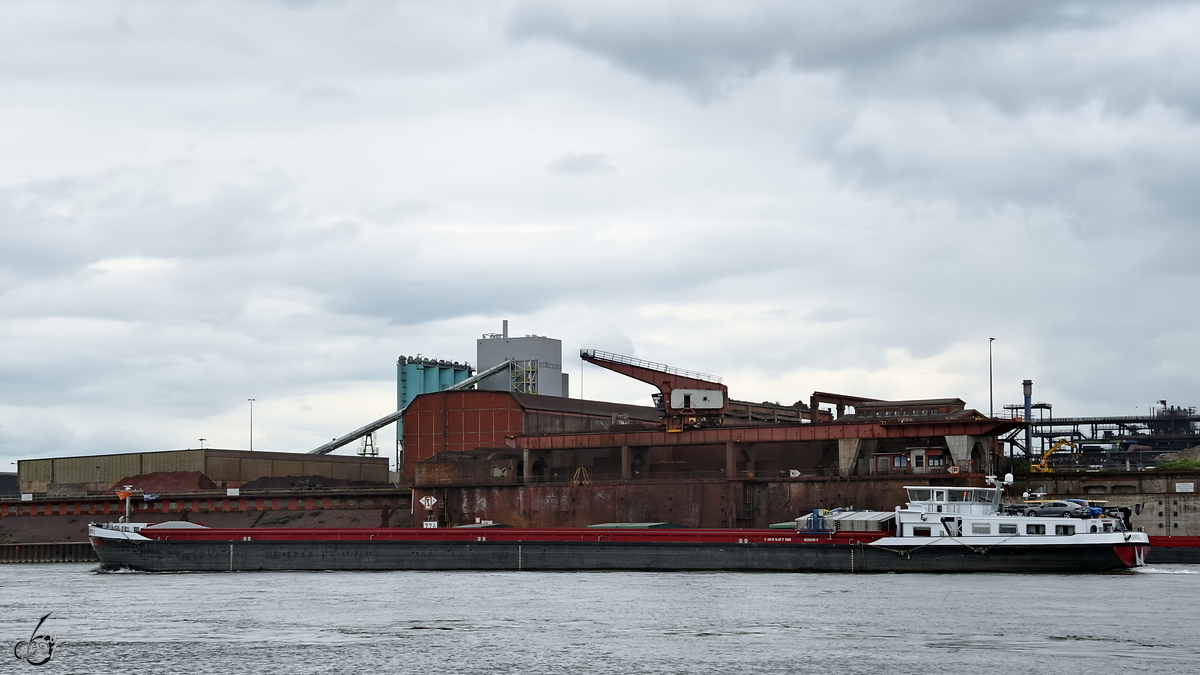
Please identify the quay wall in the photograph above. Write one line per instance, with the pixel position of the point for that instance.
(44, 552)
(692, 503)
(1160, 507)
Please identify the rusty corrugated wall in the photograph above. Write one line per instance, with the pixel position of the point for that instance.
(232, 467)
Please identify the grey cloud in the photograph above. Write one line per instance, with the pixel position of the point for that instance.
(396, 213)
(1014, 53)
(56, 227)
(876, 180)
(1099, 173)
(580, 164)
(1053, 106)
(179, 43)
(702, 43)
(315, 92)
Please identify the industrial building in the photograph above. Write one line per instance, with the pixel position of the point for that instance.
(224, 468)
(461, 429)
(553, 437)
(535, 364)
(698, 457)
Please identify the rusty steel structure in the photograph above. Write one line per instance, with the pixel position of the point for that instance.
(839, 401)
(517, 458)
(770, 434)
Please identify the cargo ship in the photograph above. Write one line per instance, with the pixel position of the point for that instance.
(940, 529)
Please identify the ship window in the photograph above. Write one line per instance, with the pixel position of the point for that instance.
(939, 495)
(921, 532)
(981, 528)
(919, 495)
(960, 496)
(984, 496)
(1032, 528)
(1008, 528)
(1064, 530)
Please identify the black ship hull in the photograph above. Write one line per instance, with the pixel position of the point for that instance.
(214, 556)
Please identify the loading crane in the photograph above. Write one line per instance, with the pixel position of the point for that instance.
(687, 399)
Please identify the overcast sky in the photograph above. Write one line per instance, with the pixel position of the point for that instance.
(202, 203)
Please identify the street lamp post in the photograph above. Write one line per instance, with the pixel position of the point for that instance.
(251, 424)
(991, 399)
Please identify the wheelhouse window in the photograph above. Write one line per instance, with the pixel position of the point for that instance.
(919, 495)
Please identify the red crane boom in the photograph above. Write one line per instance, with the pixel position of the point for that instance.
(688, 399)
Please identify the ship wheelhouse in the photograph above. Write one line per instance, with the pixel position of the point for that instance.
(976, 512)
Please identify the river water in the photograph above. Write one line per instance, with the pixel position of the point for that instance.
(575, 623)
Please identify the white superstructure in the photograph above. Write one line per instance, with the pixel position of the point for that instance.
(972, 517)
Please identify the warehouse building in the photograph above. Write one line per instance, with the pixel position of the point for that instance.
(224, 468)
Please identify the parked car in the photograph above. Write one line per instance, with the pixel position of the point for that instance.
(1064, 509)
(1094, 509)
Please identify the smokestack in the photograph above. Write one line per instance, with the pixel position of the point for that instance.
(1028, 386)
(504, 332)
